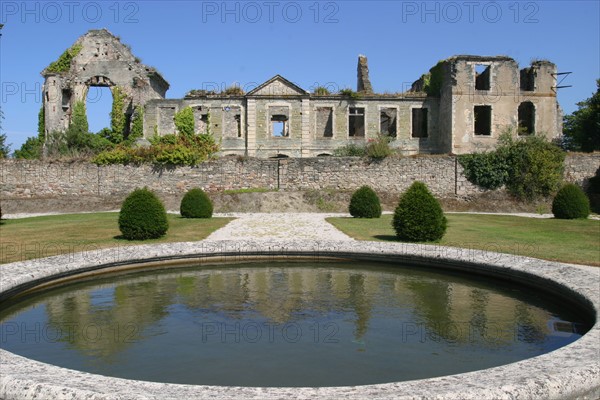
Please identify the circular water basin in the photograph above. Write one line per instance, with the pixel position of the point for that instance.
(288, 324)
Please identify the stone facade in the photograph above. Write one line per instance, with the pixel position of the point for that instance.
(452, 109)
(461, 106)
(22, 179)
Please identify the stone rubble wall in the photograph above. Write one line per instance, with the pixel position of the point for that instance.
(20, 179)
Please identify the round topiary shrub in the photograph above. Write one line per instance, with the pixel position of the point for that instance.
(143, 216)
(570, 202)
(365, 203)
(419, 216)
(196, 204)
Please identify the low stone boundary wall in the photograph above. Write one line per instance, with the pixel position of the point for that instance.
(20, 179)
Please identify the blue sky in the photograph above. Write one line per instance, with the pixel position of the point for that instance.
(197, 44)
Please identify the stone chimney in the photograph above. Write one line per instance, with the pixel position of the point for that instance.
(363, 84)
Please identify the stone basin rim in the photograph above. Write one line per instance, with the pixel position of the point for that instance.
(571, 372)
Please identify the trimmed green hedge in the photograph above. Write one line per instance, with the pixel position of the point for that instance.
(365, 203)
(419, 216)
(196, 204)
(143, 216)
(570, 203)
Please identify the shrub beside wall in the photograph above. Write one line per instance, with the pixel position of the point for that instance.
(419, 216)
(570, 203)
(196, 204)
(365, 203)
(143, 216)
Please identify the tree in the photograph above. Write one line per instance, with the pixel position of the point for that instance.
(30, 150)
(582, 128)
(78, 130)
(4, 147)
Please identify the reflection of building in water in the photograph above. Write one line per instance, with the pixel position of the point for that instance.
(105, 329)
(459, 312)
(281, 295)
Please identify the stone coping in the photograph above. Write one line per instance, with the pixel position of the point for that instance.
(571, 372)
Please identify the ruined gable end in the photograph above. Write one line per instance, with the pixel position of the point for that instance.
(97, 58)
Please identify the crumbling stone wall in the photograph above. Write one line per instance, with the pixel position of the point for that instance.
(21, 179)
(101, 60)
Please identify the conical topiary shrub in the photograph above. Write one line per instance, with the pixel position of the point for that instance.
(419, 216)
(196, 204)
(365, 203)
(143, 216)
(570, 203)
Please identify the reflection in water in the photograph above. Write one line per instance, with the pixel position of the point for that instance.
(286, 325)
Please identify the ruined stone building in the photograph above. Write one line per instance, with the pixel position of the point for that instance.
(460, 106)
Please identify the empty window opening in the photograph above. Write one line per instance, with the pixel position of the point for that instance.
(279, 121)
(387, 122)
(324, 122)
(528, 79)
(279, 125)
(98, 107)
(526, 118)
(238, 123)
(419, 123)
(483, 120)
(66, 99)
(482, 77)
(356, 122)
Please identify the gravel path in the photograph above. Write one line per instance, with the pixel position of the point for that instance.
(297, 226)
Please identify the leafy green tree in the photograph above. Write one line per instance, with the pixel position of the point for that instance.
(42, 123)
(4, 147)
(582, 128)
(77, 133)
(30, 150)
(184, 122)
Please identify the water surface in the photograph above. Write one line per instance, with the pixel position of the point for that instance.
(287, 324)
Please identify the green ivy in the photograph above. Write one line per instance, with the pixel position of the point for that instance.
(137, 124)
(184, 122)
(64, 61)
(165, 150)
(41, 123)
(432, 81)
(117, 116)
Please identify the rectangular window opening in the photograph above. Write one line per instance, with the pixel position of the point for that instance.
(526, 118)
(483, 120)
(387, 122)
(356, 122)
(419, 123)
(279, 125)
(324, 117)
(527, 76)
(66, 99)
(482, 77)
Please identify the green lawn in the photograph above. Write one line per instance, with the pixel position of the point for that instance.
(572, 241)
(27, 238)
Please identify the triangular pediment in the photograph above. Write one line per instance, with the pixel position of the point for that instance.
(278, 86)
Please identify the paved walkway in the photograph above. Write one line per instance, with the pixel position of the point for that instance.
(297, 226)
